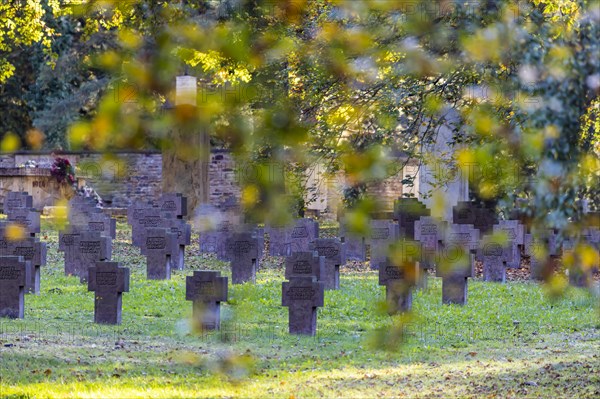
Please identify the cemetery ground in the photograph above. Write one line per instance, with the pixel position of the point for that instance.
(511, 340)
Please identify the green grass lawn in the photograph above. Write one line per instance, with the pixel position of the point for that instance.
(509, 341)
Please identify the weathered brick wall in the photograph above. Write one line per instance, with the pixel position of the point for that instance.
(222, 177)
(119, 179)
(128, 176)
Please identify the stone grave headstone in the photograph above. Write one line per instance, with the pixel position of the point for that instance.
(429, 232)
(515, 233)
(183, 234)
(66, 243)
(17, 200)
(213, 241)
(536, 248)
(304, 263)
(295, 238)
(278, 241)
(482, 218)
(108, 281)
(302, 296)
(159, 247)
(148, 218)
(79, 206)
(399, 278)
(27, 218)
(382, 233)
(243, 250)
(407, 211)
(85, 249)
(456, 262)
(94, 222)
(334, 252)
(135, 212)
(33, 251)
(581, 274)
(206, 289)
(493, 255)
(173, 205)
(13, 278)
(356, 249)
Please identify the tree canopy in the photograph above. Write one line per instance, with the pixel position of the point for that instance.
(345, 83)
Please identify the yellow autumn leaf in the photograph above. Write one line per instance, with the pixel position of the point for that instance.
(10, 142)
(14, 232)
(249, 195)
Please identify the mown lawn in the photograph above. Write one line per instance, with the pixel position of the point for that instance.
(509, 341)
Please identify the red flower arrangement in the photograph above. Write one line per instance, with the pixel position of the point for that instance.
(63, 171)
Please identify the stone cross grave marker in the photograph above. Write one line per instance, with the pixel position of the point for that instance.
(536, 248)
(33, 251)
(213, 241)
(217, 225)
(456, 262)
(135, 212)
(148, 218)
(577, 276)
(17, 200)
(398, 278)
(466, 212)
(429, 232)
(108, 281)
(305, 263)
(581, 275)
(93, 222)
(159, 246)
(183, 237)
(243, 250)
(334, 252)
(13, 278)
(88, 247)
(383, 233)
(407, 211)
(81, 206)
(302, 296)
(302, 234)
(173, 205)
(515, 233)
(27, 218)
(355, 243)
(285, 240)
(278, 244)
(207, 289)
(493, 255)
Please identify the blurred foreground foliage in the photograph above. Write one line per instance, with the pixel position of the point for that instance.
(359, 86)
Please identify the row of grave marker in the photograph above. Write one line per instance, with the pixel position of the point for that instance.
(245, 249)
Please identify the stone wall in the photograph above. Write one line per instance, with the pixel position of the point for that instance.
(127, 176)
(119, 178)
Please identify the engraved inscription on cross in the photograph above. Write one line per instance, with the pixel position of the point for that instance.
(159, 246)
(515, 234)
(207, 289)
(17, 200)
(493, 255)
(243, 250)
(334, 252)
(108, 281)
(31, 250)
(305, 263)
(302, 296)
(456, 262)
(13, 277)
(382, 234)
(398, 277)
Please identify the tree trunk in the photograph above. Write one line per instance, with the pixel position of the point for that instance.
(185, 161)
